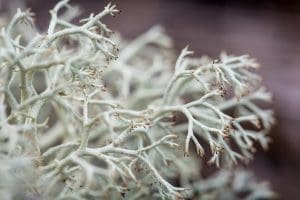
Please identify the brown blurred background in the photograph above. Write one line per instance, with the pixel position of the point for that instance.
(267, 30)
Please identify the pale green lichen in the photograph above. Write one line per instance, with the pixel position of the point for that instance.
(101, 123)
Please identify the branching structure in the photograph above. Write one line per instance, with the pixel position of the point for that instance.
(94, 117)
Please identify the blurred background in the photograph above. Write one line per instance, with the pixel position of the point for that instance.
(264, 29)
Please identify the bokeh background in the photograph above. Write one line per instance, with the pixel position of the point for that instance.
(267, 30)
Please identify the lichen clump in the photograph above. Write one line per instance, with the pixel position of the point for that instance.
(86, 114)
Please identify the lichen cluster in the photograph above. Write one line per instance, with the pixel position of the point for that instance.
(86, 114)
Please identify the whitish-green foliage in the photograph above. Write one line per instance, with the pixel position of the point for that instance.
(86, 115)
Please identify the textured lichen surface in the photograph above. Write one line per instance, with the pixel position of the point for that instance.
(86, 114)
